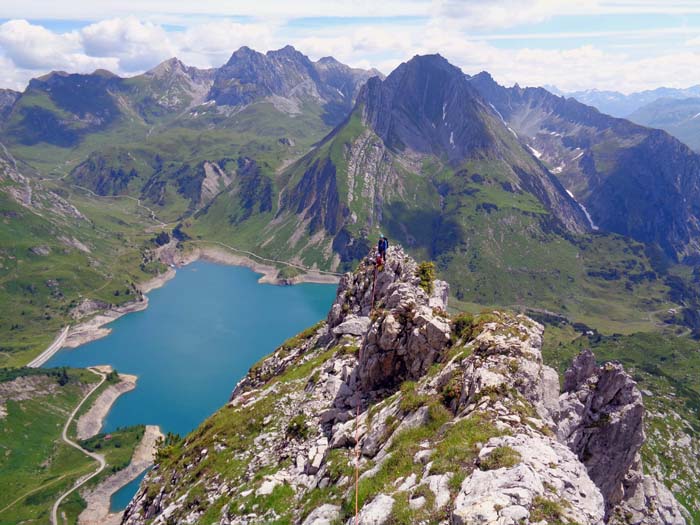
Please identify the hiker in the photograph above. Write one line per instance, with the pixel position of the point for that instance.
(382, 246)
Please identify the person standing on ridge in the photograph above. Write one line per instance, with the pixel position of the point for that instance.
(382, 246)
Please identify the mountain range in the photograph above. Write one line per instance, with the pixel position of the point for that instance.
(680, 117)
(521, 198)
(623, 105)
(673, 110)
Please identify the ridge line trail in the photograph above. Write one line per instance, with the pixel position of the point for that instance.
(64, 435)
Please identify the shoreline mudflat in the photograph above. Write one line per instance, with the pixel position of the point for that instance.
(90, 423)
(270, 273)
(99, 498)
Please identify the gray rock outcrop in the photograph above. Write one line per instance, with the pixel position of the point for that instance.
(601, 420)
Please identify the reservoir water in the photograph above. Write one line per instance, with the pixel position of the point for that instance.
(199, 335)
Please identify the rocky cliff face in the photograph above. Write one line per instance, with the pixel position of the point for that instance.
(452, 420)
(287, 77)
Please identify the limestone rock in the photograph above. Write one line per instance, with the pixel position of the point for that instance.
(376, 512)
(602, 421)
(353, 325)
(324, 515)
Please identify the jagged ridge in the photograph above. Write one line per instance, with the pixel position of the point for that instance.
(458, 424)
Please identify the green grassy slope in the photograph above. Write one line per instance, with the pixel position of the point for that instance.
(43, 275)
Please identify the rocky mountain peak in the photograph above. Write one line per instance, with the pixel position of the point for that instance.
(427, 106)
(249, 76)
(456, 420)
(404, 326)
(289, 52)
(242, 53)
(167, 67)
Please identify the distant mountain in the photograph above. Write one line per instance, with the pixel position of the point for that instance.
(680, 117)
(142, 135)
(288, 75)
(61, 108)
(620, 105)
(632, 180)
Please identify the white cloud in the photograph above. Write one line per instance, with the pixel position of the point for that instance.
(34, 47)
(129, 45)
(30, 50)
(211, 44)
(137, 45)
(489, 14)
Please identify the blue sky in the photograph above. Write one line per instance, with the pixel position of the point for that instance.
(626, 45)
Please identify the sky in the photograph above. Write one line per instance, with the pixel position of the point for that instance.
(621, 45)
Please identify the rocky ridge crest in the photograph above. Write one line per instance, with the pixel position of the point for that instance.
(459, 422)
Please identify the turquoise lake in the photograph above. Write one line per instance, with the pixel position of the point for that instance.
(199, 335)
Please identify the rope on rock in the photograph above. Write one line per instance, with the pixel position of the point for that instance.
(357, 416)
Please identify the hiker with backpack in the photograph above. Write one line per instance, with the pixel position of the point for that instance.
(382, 246)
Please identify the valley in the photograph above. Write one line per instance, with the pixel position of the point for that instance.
(526, 202)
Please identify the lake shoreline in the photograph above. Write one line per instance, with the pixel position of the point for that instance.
(99, 499)
(96, 327)
(269, 273)
(91, 422)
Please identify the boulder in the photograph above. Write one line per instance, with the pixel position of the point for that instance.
(324, 515)
(376, 512)
(353, 325)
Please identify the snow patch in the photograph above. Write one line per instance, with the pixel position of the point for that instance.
(585, 211)
(559, 169)
(503, 120)
(536, 153)
(444, 111)
(452, 138)
(578, 156)
(696, 116)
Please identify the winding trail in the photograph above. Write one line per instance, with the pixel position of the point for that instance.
(97, 457)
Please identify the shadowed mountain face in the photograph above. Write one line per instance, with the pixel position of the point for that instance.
(634, 181)
(426, 106)
(8, 97)
(374, 164)
(59, 108)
